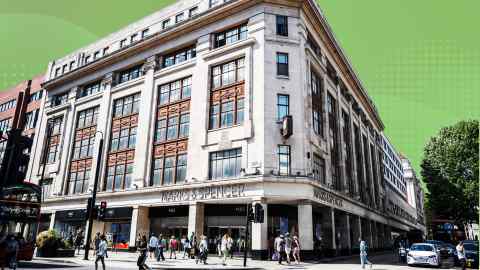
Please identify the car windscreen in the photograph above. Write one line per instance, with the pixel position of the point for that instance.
(421, 248)
(470, 247)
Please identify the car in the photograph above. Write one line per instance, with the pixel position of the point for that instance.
(452, 250)
(471, 254)
(440, 246)
(423, 254)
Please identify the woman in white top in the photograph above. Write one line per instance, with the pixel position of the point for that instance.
(225, 247)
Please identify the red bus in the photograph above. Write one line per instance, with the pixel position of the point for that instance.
(20, 216)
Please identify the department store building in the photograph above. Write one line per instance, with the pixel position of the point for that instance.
(205, 107)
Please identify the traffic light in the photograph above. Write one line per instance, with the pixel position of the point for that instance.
(250, 215)
(102, 210)
(16, 157)
(259, 213)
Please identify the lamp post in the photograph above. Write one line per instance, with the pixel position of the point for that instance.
(94, 196)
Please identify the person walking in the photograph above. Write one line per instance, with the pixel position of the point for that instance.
(186, 247)
(363, 255)
(461, 255)
(11, 251)
(162, 244)
(296, 249)
(101, 252)
(194, 246)
(173, 245)
(78, 241)
(202, 250)
(288, 246)
(225, 247)
(152, 245)
(218, 244)
(142, 256)
(96, 242)
(280, 247)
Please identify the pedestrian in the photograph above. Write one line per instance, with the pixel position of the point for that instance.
(218, 243)
(202, 250)
(271, 249)
(101, 252)
(461, 255)
(225, 247)
(288, 246)
(186, 247)
(78, 241)
(173, 245)
(162, 243)
(152, 245)
(11, 251)
(363, 255)
(194, 246)
(142, 256)
(96, 242)
(280, 247)
(296, 249)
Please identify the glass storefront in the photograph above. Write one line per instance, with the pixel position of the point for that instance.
(117, 224)
(168, 221)
(68, 223)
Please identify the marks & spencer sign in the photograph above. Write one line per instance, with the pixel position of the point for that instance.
(204, 193)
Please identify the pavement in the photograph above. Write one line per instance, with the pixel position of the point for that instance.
(124, 260)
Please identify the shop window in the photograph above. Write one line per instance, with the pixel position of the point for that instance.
(230, 36)
(282, 106)
(282, 64)
(282, 25)
(284, 159)
(225, 164)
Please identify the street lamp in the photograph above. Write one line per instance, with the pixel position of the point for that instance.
(94, 196)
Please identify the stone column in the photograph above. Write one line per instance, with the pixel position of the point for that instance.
(305, 228)
(144, 134)
(52, 221)
(260, 235)
(103, 121)
(348, 234)
(140, 224)
(334, 242)
(196, 218)
(355, 226)
(370, 233)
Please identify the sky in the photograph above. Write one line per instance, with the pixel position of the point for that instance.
(418, 60)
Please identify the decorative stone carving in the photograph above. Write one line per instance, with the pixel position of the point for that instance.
(150, 63)
(107, 80)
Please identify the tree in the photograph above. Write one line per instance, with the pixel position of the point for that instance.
(450, 172)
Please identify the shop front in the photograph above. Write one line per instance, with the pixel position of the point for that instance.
(116, 225)
(169, 221)
(68, 223)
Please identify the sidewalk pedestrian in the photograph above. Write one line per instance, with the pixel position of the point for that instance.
(101, 252)
(202, 250)
(96, 242)
(225, 247)
(152, 245)
(296, 249)
(461, 255)
(288, 246)
(162, 243)
(186, 247)
(218, 244)
(142, 256)
(194, 244)
(173, 245)
(280, 247)
(11, 251)
(363, 255)
(78, 241)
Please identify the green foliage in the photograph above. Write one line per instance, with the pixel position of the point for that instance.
(49, 240)
(450, 171)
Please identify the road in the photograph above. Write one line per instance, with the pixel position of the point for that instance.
(128, 261)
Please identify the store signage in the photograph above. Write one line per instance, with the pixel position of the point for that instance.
(204, 193)
(327, 197)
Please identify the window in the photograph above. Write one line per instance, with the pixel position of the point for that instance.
(119, 176)
(5, 124)
(130, 74)
(175, 91)
(105, 50)
(133, 38)
(8, 105)
(228, 73)
(169, 170)
(85, 133)
(123, 138)
(71, 65)
(282, 64)
(89, 89)
(179, 18)
(347, 149)
(57, 72)
(192, 12)
(313, 45)
(126, 105)
(30, 119)
(166, 24)
(123, 43)
(333, 141)
(53, 139)
(96, 55)
(317, 103)
(331, 73)
(64, 68)
(284, 159)
(230, 36)
(225, 164)
(282, 106)
(282, 25)
(78, 180)
(145, 33)
(179, 56)
(318, 169)
(87, 59)
(59, 99)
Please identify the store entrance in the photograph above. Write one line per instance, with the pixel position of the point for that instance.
(237, 233)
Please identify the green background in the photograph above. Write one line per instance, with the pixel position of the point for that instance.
(419, 60)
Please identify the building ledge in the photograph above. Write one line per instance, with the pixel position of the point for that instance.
(230, 47)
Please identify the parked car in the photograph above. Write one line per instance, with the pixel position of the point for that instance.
(452, 250)
(423, 254)
(471, 254)
(440, 246)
